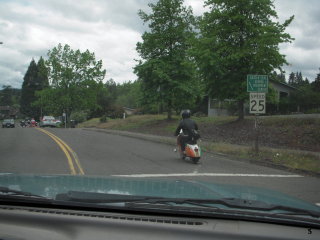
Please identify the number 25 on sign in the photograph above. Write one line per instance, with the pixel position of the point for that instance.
(257, 103)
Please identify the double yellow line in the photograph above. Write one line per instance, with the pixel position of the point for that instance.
(73, 161)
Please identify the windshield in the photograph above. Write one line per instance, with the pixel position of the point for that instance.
(163, 103)
(8, 121)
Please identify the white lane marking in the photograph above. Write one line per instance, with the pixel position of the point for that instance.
(318, 204)
(195, 174)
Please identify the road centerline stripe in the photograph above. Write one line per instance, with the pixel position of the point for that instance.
(75, 157)
(67, 151)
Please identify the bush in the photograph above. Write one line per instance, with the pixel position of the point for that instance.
(103, 119)
(79, 116)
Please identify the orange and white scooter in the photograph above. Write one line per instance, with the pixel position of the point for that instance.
(192, 150)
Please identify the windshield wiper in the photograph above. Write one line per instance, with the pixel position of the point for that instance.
(9, 193)
(237, 203)
(141, 201)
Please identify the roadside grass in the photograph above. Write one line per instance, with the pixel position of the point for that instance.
(93, 122)
(274, 121)
(289, 158)
(215, 120)
(131, 122)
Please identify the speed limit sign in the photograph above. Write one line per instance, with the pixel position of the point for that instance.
(257, 103)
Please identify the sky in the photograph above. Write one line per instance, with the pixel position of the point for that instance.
(111, 29)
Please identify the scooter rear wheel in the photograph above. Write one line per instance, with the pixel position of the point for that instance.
(195, 160)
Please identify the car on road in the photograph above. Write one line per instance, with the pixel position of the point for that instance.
(8, 123)
(48, 121)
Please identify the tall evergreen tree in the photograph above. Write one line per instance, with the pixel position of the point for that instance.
(316, 83)
(28, 90)
(292, 79)
(42, 75)
(35, 79)
(299, 79)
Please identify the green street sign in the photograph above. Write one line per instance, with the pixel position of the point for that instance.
(257, 83)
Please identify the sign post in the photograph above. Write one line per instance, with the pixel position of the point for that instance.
(65, 119)
(257, 86)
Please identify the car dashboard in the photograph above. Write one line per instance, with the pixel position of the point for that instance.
(64, 224)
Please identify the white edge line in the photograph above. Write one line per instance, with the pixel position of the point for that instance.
(318, 204)
(208, 175)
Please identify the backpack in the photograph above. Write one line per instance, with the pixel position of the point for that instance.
(194, 133)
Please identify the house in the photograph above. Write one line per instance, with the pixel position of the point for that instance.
(129, 111)
(282, 89)
(229, 106)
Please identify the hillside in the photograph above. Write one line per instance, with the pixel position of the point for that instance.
(276, 132)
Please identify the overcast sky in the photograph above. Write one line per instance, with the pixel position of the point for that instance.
(111, 29)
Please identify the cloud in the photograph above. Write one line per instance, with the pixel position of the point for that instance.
(111, 29)
(303, 53)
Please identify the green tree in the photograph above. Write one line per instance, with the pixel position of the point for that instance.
(29, 86)
(74, 78)
(6, 96)
(277, 77)
(238, 38)
(292, 79)
(316, 83)
(166, 71)
(129, 94)
(35, 79)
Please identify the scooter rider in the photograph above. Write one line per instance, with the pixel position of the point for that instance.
(187, 125)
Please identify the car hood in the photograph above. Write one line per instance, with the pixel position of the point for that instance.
(51, 185)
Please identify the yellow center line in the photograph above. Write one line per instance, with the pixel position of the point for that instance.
(75, 157)
(67, 150)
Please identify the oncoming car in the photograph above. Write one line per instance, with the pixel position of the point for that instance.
(8, 123)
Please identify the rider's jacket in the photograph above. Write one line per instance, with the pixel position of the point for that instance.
(186, 125)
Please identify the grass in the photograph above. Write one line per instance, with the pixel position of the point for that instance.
(288, 158)
(131, 122)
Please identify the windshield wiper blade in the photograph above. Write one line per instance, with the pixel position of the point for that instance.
(7, 192)
(93, 197)
(136, 201)
(237, 203)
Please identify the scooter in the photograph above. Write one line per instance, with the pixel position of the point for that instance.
(192, 150)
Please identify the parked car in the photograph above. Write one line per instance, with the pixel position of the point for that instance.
(8, 123)
(48, 121)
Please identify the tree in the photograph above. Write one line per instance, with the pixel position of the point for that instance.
(6, 96)
(35, 79)
(296, 80)
(238, 38)
(74, 78)
(28, 90)
(316, 83)
(166, 71)
(277, 77)
(129, 94)
(292, 79)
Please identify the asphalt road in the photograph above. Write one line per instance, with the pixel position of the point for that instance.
(78, 151)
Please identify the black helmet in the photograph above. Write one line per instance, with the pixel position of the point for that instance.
(186, 113)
